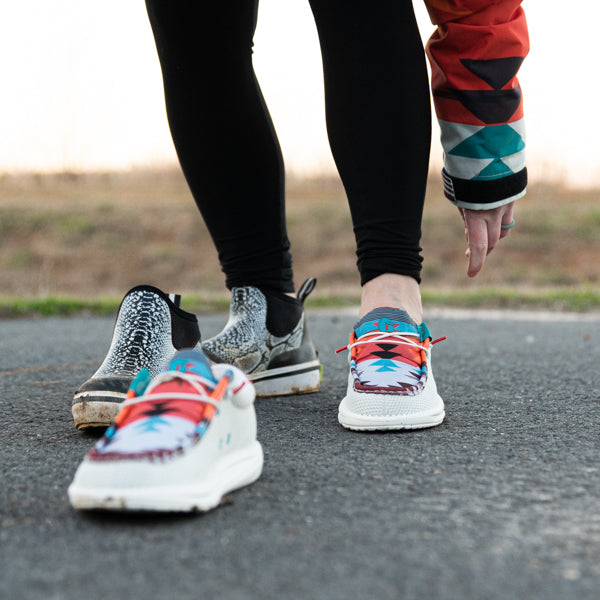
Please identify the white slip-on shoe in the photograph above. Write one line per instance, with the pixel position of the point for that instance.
(391, 384)
(181, 441)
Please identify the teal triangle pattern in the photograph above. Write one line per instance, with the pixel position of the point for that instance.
(385, 365)
(494, 170)
(490, 142)
(151, 424)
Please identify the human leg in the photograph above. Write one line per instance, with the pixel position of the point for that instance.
(230, 155)
(223, 134)
(379, 126)
(231, 158)
(394, 290)
(378, 121)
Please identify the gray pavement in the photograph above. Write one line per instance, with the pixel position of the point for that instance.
(501, 501)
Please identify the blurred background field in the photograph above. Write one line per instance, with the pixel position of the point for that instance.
(71, 241)
(75, 104)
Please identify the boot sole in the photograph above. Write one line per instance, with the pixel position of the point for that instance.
(303, 378)
(96, 409)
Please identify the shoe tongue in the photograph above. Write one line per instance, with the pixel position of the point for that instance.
(191, 361)
(386, 320)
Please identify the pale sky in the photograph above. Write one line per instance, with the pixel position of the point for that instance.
(81, 87)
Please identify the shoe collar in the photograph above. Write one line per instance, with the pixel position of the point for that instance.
(191, 361)
(389, 326)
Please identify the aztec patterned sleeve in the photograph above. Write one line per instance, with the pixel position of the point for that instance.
(475, 54)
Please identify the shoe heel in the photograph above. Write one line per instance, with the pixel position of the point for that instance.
(286, 381)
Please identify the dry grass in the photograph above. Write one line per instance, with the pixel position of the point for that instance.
(99, 234)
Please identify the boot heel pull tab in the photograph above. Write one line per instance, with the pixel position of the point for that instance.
(306, 288)
(175, 299)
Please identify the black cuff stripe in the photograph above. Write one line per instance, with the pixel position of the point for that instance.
(483, 192)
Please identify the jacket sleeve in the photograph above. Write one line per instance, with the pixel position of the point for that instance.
(475, 54)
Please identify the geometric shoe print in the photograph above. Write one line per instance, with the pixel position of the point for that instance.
(388, 353)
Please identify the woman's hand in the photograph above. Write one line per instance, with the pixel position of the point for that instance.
(483, 231)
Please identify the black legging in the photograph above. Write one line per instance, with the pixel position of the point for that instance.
(378, 122)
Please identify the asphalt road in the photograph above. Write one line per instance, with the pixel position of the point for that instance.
(500, 501)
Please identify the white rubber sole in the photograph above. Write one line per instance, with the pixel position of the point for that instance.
(432, 411)
(90, 410)
(304, 378)
(358, 422)
(228, 473)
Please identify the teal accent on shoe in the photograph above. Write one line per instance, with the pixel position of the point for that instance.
(140, 382)
(424, 331)
(385, 365)
(150, 425)
(386, 326)
(191, 361)
(202, 427)
(108, 434)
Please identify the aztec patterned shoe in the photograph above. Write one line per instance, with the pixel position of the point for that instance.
(391, 383)
(180, 442)
(149, 329)
(278, 363)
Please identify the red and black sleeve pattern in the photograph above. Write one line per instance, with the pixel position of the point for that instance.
(475, 55)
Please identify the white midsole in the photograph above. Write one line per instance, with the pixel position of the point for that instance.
(228, 473)
(312, 365)
(94, 413)
(296, 379)
(99, 394)
(412, 421)
(404, 417)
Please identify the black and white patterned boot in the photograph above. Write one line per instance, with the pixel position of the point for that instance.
(149, 329)
(266, 336)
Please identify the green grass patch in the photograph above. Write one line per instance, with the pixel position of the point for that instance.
(558, 299)
(65, 306)
(52, 306)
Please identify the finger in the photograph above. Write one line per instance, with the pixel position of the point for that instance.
(494, 233)
(478, 245)
(507, 219)
(462, 214)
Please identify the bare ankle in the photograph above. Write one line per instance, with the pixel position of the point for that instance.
(393, 291)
